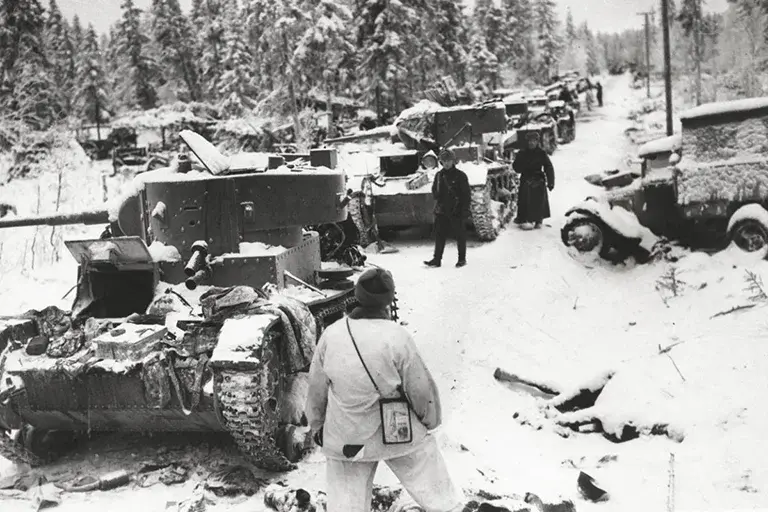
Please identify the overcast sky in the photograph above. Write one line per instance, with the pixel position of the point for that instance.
(602, 15)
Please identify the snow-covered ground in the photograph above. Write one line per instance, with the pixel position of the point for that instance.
(525, 305)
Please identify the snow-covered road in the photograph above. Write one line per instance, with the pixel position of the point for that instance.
(523, 304)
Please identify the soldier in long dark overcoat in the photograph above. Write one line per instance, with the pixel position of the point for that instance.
(536, 177)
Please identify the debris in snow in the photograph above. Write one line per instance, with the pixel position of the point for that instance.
(733, 310)
(755, 286)
(505, 376)
(163, 253)
(589, 488)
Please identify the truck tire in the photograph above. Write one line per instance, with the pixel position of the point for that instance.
(749, 235)
(586, 235)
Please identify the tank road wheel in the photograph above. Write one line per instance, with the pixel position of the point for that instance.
(481, 210)
(749, 235)
(585, 235)
(14, 451)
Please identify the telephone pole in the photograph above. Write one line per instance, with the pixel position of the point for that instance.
(647, 53)
(667, 65)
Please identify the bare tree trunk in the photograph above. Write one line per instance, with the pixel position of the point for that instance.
(292, 91)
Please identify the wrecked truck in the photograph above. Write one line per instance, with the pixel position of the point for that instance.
(706, 187)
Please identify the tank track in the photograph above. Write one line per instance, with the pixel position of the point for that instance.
(13, 451)
(355, 208)
(243, 397)
(482, 216)
(332, 308)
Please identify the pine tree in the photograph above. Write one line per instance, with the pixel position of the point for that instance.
(91, 98)
(138, 70)
(176, 46)
(548, 40)
(61, 54)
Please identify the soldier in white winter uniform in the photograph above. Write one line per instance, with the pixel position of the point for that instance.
(359, 360)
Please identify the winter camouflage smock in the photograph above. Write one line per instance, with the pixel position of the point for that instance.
(343, 401)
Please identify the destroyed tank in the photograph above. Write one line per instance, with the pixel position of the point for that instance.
(393, 182)
(136, 354)
(522, 120)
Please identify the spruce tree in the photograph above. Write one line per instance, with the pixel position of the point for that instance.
(235, 87)
(484, 66)
(138, 70)
(77, 34)
(548, 40)
(61, 54)
(450, 33)
(381, 39)
(176, 46)
(91, 98)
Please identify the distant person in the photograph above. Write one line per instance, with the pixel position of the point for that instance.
(536, 177)
(566, 95)
(599, 88)
(589, 99)
(452, 196)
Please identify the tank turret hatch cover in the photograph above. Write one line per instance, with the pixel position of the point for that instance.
(209, 156)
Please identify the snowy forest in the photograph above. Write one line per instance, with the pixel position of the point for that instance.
(263, 57)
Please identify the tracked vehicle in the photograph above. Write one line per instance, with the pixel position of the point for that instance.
(197, 310)
(393, 182)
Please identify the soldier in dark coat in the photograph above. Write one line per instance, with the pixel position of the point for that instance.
(536, 176)
(599, 88)
(451, 192)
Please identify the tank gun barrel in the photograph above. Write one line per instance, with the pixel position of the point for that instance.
(59, 219)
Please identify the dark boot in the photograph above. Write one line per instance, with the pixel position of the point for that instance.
(461, 263)
(432, 263)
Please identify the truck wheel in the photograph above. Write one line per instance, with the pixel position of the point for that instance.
(749, 235)
(584, 235)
